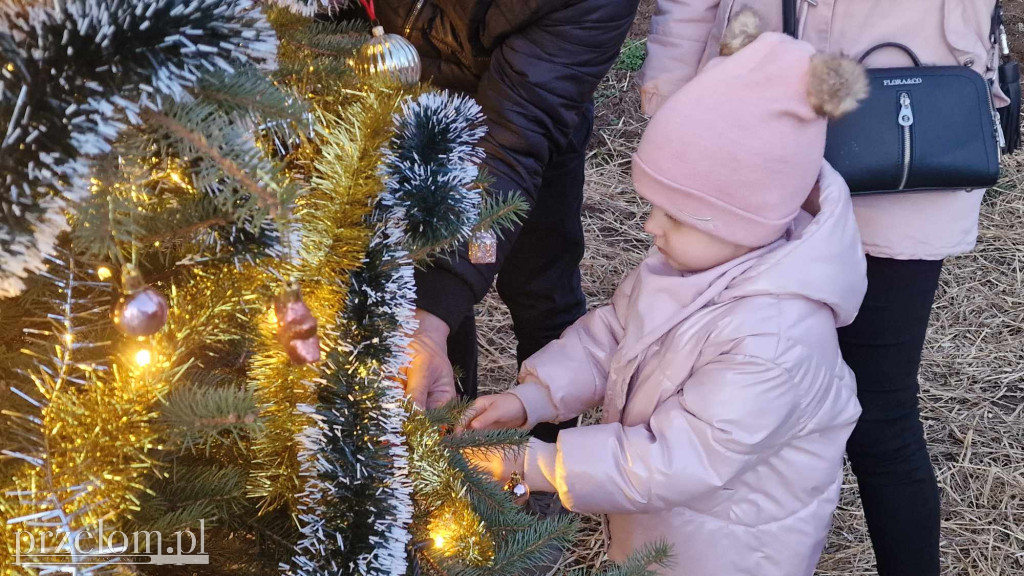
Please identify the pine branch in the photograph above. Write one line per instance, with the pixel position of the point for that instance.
(502, 214)
(524, 549)
(639, 563)
(498, 214)
(334, 39)
(489, 500)
(486, 439)
(209, 412)
(450, 415)
(249, 93)
(185, 232)
(199, 141)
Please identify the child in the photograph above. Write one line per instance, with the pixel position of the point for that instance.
(726, 402)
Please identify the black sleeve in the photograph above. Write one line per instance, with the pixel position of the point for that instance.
(534, 94)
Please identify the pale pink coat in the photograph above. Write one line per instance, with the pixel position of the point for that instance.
(727, 404)
(685, 35)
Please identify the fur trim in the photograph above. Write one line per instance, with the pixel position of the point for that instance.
(836, 86)
(744, 27)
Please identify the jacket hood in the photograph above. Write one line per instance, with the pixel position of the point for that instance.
(819, 258)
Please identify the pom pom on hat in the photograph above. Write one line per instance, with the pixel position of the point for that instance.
(836, 85)
(744, 27)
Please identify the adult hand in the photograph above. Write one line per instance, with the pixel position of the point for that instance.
(496, 411)
(430, 381)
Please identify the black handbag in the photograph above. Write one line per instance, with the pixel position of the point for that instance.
(921, 128)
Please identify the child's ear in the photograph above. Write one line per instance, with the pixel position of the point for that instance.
(836, 85)
(744, 27)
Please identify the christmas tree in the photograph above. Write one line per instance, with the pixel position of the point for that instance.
(211, 213)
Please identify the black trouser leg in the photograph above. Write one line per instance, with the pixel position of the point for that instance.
(540, 277)
(887, 448)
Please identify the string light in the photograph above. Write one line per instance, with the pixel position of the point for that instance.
(103, 273)
(143, 357)
(439, 541)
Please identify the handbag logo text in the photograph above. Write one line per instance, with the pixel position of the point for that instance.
(902, 81)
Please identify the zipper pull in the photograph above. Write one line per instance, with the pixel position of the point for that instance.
(906, 117)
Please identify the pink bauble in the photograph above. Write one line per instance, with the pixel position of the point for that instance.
(141, 313)
(297, 328)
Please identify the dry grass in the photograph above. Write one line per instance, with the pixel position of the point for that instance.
(971, 377)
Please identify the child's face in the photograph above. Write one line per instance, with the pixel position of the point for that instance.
(686, 248)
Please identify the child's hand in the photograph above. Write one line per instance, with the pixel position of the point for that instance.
(496, 411)
(499, 465)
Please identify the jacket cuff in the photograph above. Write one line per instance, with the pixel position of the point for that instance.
(444, 295)
(537, 400)
(539, 466)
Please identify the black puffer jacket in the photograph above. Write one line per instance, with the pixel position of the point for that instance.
(533, 66)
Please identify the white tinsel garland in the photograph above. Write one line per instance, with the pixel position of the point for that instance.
(449, 126)
(433, 194)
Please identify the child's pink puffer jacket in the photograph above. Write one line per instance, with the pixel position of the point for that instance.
(727, 405)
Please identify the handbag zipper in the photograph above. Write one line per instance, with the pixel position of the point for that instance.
(906, 120)
(802, 19)
(1000, 137)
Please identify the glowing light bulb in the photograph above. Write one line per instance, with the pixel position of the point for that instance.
(143, 357)
(439, 541)
(103, 273)
(176, 178)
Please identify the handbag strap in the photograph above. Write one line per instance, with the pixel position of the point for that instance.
(913, 56)
(789, 17)
(997, 34)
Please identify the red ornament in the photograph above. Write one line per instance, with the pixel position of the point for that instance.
(296, 326)
(142, 311)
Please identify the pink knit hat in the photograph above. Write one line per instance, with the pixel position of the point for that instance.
(737, 150)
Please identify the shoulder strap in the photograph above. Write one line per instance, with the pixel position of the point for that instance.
(789, 17)
(997, 35)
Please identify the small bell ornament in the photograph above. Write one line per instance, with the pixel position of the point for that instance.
(483, 247)
(142, 311)
(518, 489)
(296, 326)
(387, 57)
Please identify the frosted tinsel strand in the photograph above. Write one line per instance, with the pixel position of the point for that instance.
(361, 525)
(73, 74)
(430, 167)
(309, 8)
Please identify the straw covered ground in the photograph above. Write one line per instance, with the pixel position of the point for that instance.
(972, 372)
